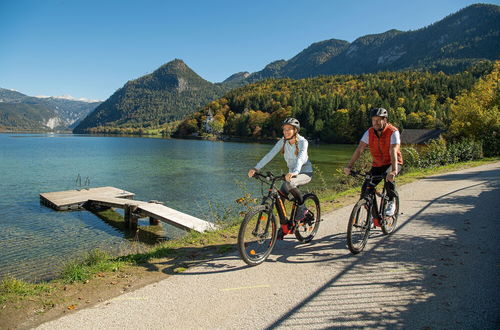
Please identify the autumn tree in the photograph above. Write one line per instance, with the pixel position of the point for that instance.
(475, 114)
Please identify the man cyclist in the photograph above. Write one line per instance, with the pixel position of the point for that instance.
(383, 140)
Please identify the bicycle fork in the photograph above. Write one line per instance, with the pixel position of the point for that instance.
(255, 231)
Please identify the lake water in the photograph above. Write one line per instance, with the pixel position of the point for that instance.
(192, 176)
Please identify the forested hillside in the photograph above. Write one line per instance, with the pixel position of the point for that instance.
(169, 93)
(334, 109)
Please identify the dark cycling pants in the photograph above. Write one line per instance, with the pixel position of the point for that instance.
(390, 187)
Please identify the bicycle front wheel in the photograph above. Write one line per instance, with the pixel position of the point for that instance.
(308, 227)
(389, 223)
(257, 236)
(358, 229)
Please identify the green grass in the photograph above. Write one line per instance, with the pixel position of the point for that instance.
(192, 239)
(416, 174)
(180, 270)
(14, 289)
(95, 261)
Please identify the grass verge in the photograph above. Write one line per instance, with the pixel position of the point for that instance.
(96, 261)
(12, 289)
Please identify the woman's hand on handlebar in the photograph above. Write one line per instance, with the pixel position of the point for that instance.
(251, 172)
(289, 176)
(347, 170)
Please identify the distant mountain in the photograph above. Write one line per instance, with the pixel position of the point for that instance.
(450, 45)
(10, 95)
(236, 79)
(304, 64)
(22, 112)
(174, 90)
(169, 93)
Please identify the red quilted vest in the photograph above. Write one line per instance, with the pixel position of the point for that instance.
(380, 146)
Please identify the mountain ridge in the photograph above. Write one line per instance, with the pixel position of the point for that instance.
(19, 111)
(424, 48)
(169, 93)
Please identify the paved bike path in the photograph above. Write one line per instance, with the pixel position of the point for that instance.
(440, 269)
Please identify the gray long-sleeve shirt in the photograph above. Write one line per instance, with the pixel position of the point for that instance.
(296, 164)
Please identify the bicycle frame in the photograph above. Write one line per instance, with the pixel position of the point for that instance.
(274, 195)
(361, 223)
(371, 194)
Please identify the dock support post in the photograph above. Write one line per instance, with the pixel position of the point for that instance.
(153, 221)
(130, 218)
(126, 215)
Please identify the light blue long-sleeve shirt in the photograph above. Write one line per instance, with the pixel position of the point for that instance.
(296, 164)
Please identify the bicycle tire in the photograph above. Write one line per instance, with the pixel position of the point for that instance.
(358, 228)
(389, 224)
(257, 235)
(306, 229)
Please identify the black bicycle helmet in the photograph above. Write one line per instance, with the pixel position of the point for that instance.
(379, 112)
(292, 121)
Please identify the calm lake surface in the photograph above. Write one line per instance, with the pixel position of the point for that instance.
(195, 177)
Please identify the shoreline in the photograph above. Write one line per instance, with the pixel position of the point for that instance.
(159, 136)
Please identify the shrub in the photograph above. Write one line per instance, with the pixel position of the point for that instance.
(411, 157)
(435, 153)
(438, 152)
(464, 150)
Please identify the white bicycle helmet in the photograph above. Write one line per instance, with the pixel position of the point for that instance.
(292, 121)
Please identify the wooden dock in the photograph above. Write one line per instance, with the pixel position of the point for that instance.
(118, 198)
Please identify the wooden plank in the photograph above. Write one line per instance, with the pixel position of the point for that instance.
(63, 200)
(114, 202)
(158, 211)
(174, 217)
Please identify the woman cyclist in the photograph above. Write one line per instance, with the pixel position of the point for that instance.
(294, 148)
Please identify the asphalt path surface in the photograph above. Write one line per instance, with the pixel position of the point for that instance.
(439, 270)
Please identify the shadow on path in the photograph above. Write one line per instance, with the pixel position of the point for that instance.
(440, 272)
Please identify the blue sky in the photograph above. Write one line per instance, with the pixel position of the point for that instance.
(91, 48)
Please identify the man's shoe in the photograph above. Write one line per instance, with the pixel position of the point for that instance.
(390, 208)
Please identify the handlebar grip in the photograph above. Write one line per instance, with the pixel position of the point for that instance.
(354, 173)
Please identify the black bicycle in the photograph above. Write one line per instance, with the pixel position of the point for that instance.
(259, 229)
(366, 215)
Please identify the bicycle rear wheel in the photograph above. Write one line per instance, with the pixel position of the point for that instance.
(257, 236)
(390, 223)
(358, 229)
(307, 228)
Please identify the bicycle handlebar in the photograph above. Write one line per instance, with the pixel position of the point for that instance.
(268, 177)
(367, 175)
